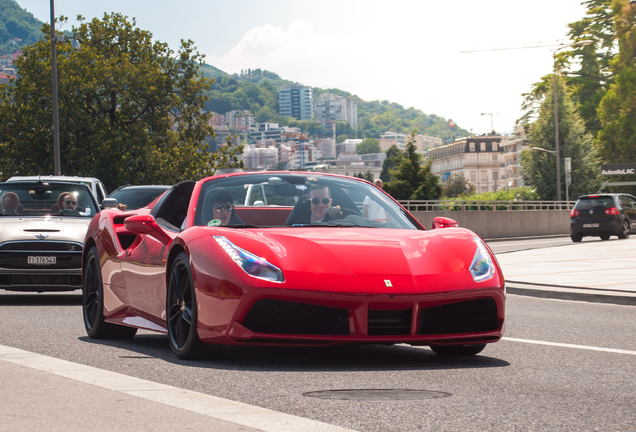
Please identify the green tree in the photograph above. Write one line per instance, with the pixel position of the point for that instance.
(458, 185)
(412, 181)
(264, 115)
(393, 158)
(617, 111)
(368, 145)
(227, 156)
(130, 108)
(539, 169)
(592, 79)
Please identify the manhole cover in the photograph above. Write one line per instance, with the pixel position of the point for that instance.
(377, 394)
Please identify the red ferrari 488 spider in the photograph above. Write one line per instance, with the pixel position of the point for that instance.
(282, 258)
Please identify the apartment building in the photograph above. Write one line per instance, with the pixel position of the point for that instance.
(330, 108)
(296, 101)
(389, 139)
(265, 157)
(511, 147)
(477, 158)
(240, 120)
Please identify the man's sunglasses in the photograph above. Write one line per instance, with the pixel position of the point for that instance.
(222, 207)
(316, 201)
(70, 202)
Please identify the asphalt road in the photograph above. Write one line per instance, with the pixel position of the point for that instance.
(583, 380)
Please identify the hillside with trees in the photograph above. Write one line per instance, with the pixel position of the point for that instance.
(257, 91)
(16, 22)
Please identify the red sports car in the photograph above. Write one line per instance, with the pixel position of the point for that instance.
(283, 258)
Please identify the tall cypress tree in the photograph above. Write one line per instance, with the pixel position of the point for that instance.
(411, 180)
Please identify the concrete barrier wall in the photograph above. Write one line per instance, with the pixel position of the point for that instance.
(502, 224)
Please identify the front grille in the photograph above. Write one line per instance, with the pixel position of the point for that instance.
(282, 317)
(12, 280)
(40, 246)
(464, 317)
(389, 322)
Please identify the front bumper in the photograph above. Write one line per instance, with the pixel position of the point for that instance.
(282, 317)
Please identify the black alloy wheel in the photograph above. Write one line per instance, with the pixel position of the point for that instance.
(605, 237)
(624, 233)
(457, 350)
(576, 238)
(93, 303)
(181, 311)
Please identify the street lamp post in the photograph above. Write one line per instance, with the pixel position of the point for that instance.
(57, 162)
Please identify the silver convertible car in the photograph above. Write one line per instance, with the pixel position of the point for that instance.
(42, 229)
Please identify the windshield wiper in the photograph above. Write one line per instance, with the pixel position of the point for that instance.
(244, 226)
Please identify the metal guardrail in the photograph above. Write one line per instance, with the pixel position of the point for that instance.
(462, 205)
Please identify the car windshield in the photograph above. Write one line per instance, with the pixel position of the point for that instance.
(67, 200)
(137, 196)
(588, 203)
(297, 200)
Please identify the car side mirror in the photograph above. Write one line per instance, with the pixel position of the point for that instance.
(146, 224)
(109, 203)
(443, 222)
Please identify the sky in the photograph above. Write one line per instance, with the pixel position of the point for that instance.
(403, 51)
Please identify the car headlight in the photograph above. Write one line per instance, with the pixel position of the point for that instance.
(251, 264)
(482, 268)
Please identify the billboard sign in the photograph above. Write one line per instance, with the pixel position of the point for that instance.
(618, 169)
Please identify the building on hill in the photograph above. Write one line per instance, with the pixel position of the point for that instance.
(330, 108)
(477, 158)
(240, 120)
(424, 142)
(296, 101)
(260, 157)
(348, 145)
(327, 147)
(6, 60)
(389, 139)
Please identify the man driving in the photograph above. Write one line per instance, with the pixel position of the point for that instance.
(320, 199)
(69, 202)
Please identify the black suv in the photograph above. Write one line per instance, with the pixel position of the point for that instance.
(603, 215)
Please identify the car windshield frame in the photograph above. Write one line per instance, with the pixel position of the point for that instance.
(279, 192)
(126, 192)
(40, 199)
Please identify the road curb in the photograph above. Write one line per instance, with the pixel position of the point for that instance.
(578, 294)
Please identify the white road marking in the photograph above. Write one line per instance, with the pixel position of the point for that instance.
(585, 347)
(223, 409)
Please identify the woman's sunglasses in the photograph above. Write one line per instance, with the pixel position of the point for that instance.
(70, 202)
(316, 201)
(222, 207)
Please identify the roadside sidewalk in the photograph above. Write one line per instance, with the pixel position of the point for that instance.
(602, 272)
(41, 393)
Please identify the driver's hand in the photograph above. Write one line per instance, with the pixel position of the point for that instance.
(122, 207)
(334, 212)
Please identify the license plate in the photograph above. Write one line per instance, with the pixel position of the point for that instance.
(590, 225)
(41, 260)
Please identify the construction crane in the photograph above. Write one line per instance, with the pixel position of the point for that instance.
(492, 127)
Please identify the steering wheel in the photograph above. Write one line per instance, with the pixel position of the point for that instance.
(68, 212)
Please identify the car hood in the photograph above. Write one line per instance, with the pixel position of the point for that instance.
(55, 228)
(368, 260)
